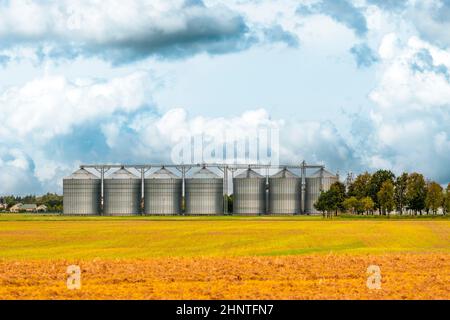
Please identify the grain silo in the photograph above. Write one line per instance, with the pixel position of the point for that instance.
(284, 193)
(249, 193)
(162, 193)
(321, 180)
(204, 193)
(81, 193)
(122, 194)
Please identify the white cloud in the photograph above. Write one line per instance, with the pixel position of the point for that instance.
(120, 31)
(51, 108)
(431, 19)
(16, 172)
(45, 119)
(53, 105)
(412, 108)
(156, 136)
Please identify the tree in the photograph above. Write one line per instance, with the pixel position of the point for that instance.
(30, 199)
(53, 202)
(360, 187)
(435, 197)
(401, 184)
(336, 196)
(368, 204)
(351, 204)
(322, 203)
(331, 200)
(376, 181)
(447, 200)
(386, 197)
(10, 200)
(416, 192)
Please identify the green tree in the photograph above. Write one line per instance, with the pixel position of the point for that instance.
(447, 200)
(435, 197)
(322, 203)
(376, 181)
(386, 197)
(360, 187)
(416, 192)
(351, 204)
(368, 204)
(10, 200)
(53, 202)
(401, 184)
(336, 197)
(30, 199)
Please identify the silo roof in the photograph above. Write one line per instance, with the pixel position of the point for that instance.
(163, 173)
(122, 173)
(326, 174)
(205, 174)
(249, 173)
(285, 173)
(82, 174)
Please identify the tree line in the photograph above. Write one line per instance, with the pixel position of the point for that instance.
(384, 193)
(53, 201)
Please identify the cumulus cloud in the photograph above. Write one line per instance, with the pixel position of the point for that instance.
(122, 32)
(393, 5)
(343, 11)
(364, 55)
(432, 20)
(50, 123)
(53, 105)
(412, 108)
(145, 136)
(156, 137)
(17, 173)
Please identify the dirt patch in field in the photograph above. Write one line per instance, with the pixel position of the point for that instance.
(404, 276)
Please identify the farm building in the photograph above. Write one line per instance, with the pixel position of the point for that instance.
(200, 189)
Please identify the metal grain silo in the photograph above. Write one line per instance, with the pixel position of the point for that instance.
(81, 193)
(162, 193)
(249, 193)
(284, 193)
(122, 194)
(204, 193)
(320, 181)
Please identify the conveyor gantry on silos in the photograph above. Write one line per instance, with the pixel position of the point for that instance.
(218, 186)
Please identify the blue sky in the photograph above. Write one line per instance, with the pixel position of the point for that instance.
(358, 85)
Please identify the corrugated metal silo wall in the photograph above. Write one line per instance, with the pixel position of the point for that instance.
(284, 196)
(249, 196)
(81, 196)
(313, 191)
(204, 196)
(162, 196)
(122, 197)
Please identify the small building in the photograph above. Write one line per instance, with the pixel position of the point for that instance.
(42, 208)
(3, 206)
(16, 208)
(29, 208)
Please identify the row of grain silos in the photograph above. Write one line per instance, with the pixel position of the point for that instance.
(203, 193)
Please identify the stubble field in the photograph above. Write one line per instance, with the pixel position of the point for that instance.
(223, 258)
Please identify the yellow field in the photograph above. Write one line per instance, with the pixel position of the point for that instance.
(223, 258)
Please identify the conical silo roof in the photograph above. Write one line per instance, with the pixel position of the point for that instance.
(163, 173)
(122, 173)
(285, 173)
(326, 174)
(205, 174)
(82, 174)
(249, 173)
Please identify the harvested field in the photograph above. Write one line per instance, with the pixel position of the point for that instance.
(224, 259)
